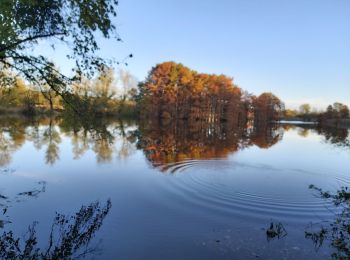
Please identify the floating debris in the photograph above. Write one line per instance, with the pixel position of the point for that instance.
(276, 230)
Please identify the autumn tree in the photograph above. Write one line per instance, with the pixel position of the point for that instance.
(291, 113)
(336, 111)
(267, 108)
(175, 92)
(340, 110)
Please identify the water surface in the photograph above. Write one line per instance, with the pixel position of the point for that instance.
(176, 191)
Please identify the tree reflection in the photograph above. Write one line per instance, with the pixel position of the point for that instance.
(127, 147)
(335, 136)
(337, 231)
(100, 136)
(52, 138)
(161, 141)
(96, 135)
(69, 238)
(12, 137)
(199, 140)
(106, 137)
(41, 131)
(266, 136)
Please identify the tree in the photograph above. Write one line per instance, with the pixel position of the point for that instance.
(127, 84)
(341, 110)
(291, 113)
(103, 90)
(305, 109)
(267, 108)
(173, 91)
(48, 91)
(344, 112)
(330, 111)
(76, 24)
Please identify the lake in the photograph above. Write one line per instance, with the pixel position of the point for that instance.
(183, 191)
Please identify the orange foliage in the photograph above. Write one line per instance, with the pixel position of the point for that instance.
(173, 91)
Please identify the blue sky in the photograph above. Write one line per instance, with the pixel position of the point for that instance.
(299, 50)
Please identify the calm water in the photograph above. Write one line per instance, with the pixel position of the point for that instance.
(176, 192)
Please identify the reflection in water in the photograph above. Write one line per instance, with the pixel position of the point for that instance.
(69, 236)
(162, 144)
(250, 187)
(337, 232)
(97, 137)
(186, 141)
(51, 137)
(100, 137)
(335, 136)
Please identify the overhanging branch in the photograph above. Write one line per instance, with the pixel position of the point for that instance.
(31, 38)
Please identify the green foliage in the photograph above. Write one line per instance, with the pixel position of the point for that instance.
(74, 23)
(102, 95)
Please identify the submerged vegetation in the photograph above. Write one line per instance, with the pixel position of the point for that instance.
(337, 232)
(69, 237)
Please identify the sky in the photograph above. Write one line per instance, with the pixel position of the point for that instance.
(298, 50)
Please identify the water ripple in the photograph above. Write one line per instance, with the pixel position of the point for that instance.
(215, 186)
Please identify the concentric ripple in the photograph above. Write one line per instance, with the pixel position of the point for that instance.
(252, 191)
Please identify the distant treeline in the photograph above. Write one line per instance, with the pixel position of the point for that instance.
(175, 92)
(105, 94)
(170, 92)
(335, 115)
